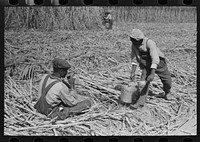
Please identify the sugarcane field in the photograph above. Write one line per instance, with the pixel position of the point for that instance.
(99, 50)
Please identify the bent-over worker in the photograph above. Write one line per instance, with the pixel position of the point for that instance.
(151, 60)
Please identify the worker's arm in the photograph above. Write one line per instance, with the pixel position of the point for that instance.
(151, 46)
(68, 97)
(133, 64)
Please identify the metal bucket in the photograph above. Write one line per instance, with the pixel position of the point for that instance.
(127, 92)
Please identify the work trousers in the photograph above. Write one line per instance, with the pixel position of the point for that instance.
(162, 71)
(109, 24)
(63, 112)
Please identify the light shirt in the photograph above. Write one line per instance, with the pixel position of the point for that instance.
(109, 16)
(148, 47)
(58, 93)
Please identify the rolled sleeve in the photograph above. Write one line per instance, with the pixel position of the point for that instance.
(154, 54)
(67, 97)
(134, 55)
(154, 66)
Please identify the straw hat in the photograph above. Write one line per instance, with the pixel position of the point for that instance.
(137, 34)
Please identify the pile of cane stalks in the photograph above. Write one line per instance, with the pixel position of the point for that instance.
(101, 60)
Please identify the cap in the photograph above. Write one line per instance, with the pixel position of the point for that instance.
(137, 34)
(60, 63)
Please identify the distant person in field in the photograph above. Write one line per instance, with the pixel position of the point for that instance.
(58, 97)
(151, 60)
(108, 20)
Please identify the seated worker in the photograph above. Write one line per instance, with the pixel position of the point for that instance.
(57, 98)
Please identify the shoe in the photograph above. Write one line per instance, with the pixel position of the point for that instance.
(136, 106)
(167, 96)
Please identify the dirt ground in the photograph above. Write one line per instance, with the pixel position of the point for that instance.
(101, 60)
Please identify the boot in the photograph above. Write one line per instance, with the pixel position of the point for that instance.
(166, 96)
(169, 96)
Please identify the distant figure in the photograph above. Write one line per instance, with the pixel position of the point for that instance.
(151, 60)
(57, 97)
(108, 20)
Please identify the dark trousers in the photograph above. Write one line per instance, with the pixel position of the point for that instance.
(109, 24)
(62, 112)
(162, 71)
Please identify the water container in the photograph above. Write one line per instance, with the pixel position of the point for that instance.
(127, 92)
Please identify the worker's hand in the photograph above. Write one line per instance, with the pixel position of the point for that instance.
(132, 77)
(141, 85)
(150, 77)
(71, 81)
(72, 92)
